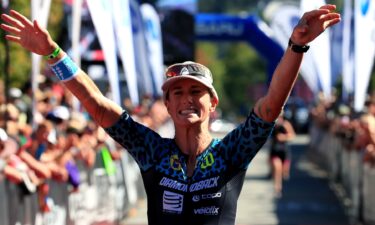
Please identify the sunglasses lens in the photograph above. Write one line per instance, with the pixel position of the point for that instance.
(187, 69)
(171, 72)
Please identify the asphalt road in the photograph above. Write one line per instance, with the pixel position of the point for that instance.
(307, 196)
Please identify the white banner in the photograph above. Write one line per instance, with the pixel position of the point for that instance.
(347, 51)
(124, 33)
(5, 4)
(154, 43)
(284, 18)
(145, 83)
(101, 15)
(76, 31)
(320, 50)
(40, 12)
(364, 42)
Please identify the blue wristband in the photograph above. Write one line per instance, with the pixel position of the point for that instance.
(65, 69)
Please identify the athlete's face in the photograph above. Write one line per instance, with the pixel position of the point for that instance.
(189, 102)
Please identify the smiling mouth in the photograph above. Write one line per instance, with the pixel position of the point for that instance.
(188, 111)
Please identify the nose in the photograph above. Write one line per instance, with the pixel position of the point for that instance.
(187, 98)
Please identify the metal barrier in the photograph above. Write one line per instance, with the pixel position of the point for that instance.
(4, 212)
(346, 167)
(102, 198)
(368, 194)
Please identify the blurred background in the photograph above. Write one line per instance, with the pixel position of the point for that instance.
(240, 41)
(58, 167)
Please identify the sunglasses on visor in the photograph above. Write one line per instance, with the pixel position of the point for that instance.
(188, 69)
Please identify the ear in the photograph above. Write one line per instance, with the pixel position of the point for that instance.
(214, 103)
(166, 103)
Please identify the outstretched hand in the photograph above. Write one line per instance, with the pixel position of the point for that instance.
(313, 23)
(30, 35)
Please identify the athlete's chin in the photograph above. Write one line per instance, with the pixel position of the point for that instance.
(189, 121)
(188, 117)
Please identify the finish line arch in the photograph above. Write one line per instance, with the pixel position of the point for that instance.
(219, 27)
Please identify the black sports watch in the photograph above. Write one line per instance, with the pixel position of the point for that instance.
(298, 48)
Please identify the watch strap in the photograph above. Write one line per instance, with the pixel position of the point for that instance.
(298, 48)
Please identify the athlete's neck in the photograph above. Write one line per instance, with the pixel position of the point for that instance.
(192, 143)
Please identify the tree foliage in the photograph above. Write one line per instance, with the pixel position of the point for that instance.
(236, 67)
(20, 59)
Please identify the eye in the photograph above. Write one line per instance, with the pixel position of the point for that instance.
(196, 91)
(177, 92)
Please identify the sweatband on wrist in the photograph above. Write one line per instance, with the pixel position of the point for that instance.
(65, 69)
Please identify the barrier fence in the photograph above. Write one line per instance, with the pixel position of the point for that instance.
(345, 166)
(103, 197)
(107, 192)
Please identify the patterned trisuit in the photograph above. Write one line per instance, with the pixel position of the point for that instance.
(210, 195)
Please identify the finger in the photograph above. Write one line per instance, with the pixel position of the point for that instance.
(21, 18)
(331, 16)
(331, 19)
(10, 20)
(328, 6)
(10, 29)
(315, 13)
(332, 22)
(13, 38)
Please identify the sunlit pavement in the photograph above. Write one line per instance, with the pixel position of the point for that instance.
(307, 198)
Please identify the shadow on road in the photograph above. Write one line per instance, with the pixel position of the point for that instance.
(307, 197)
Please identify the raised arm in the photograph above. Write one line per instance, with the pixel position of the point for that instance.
(310, 26)
(32, 37)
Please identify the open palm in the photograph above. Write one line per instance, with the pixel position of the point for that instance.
(27, 34)
(313, 23)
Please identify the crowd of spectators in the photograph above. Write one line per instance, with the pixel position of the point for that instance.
(356, 130)
(342, 143)
(43, 140)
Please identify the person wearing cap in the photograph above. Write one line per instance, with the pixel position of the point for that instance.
(191, 178)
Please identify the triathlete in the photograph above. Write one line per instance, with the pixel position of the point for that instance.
(192, 178)
(280, 154)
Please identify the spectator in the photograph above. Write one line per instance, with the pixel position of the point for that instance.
(13, 167)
